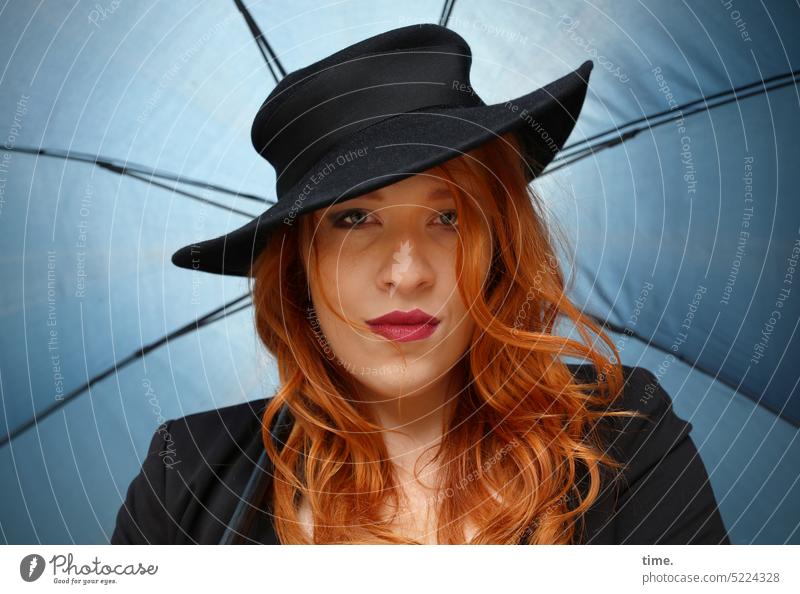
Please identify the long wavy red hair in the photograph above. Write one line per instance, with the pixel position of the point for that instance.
(523, 424)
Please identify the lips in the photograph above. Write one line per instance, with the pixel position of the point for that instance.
(404, 326)
(397, 317)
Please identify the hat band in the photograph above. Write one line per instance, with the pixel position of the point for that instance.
(353, 95)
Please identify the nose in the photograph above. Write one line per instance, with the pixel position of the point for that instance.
(405, 266)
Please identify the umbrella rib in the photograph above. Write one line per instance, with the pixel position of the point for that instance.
(675, 114)
(711, 97)
(261, 41)
(447, 10)
(192, 196)
(693, 364)
(129, 168)
(566, 156)
(209, 318)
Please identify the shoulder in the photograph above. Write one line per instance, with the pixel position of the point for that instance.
(233, 415)
(663, 495)
(641, 439)
(217, 429)
(192, 470)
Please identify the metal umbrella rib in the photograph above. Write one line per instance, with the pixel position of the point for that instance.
(215, 315)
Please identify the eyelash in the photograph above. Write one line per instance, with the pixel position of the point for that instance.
(338, 219)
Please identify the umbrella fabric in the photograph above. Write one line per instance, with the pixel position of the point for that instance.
(126, 136)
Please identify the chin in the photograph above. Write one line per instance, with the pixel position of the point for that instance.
(389, 378)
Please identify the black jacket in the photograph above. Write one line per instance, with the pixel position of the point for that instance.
(198, 466)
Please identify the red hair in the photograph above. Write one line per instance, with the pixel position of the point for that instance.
(522, 426)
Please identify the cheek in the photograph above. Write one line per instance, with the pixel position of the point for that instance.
(463, 325)
(340, 293)
(343, 283)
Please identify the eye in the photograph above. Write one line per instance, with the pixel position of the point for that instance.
(451, 216)
(357, 214)
(353, 218)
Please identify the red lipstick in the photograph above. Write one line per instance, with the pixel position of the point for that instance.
(404, 326)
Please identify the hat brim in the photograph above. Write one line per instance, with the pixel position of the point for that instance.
(397, 147)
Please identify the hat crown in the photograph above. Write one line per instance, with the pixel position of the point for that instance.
(314, 108)
(403, 39)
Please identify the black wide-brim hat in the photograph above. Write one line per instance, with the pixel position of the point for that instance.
(385, 108)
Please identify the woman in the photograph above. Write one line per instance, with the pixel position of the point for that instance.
(410, 299)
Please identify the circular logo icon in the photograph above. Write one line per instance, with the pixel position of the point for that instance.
(31, 567)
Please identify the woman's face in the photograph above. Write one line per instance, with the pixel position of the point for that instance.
(393, 250)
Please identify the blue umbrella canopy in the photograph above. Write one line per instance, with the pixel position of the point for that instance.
(126, 136)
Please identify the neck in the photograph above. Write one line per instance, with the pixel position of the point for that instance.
(414, 422)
